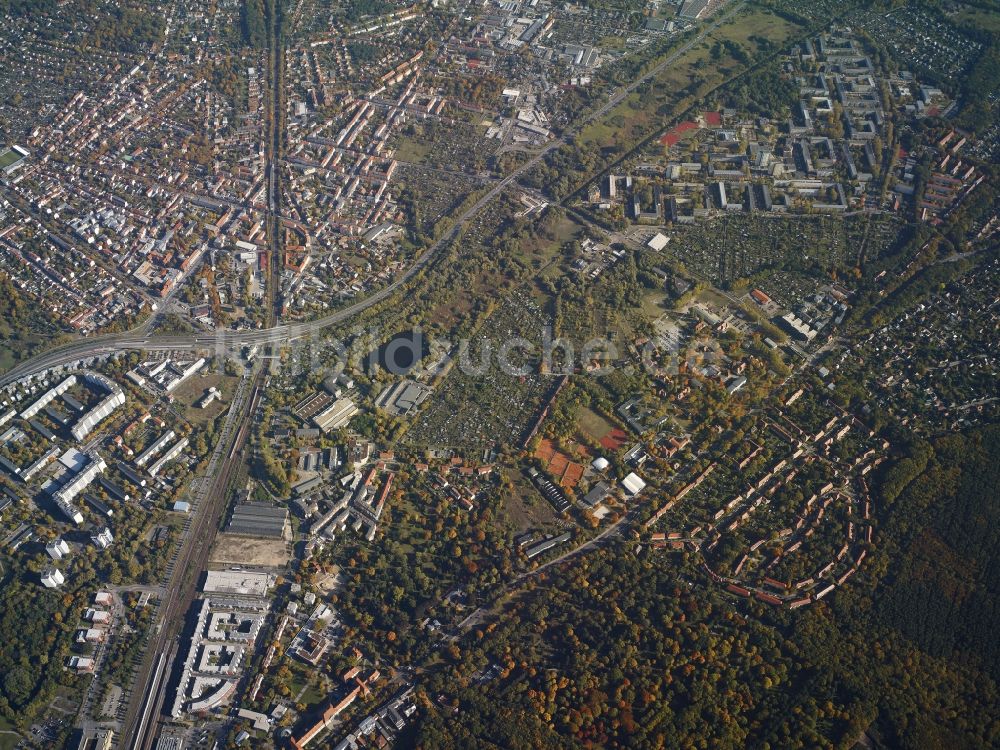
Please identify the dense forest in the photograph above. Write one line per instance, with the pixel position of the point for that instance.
(358, 9)
(40, 639)
(23, 7)
(23, 327)
(905, 654)
(125, 29)
(116, 27)
(979, 112)
(253, 23)
(764, 92)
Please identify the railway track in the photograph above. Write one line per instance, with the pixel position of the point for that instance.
(145, 713)
(148, 696)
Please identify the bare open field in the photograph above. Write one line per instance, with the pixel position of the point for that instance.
(191, 392)
(233, 549)
(525, 508)
(592, 424)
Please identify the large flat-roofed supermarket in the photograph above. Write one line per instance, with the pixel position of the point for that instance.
(241, 582)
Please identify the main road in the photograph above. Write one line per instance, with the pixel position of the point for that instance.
(148, 699)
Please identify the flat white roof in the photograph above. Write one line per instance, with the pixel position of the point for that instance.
(73, 459)
(658, 242)
(633, 484)
(243, 582)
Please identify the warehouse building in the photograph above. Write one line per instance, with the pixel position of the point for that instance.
(258, 519)
(337, 415)
(546, 545)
